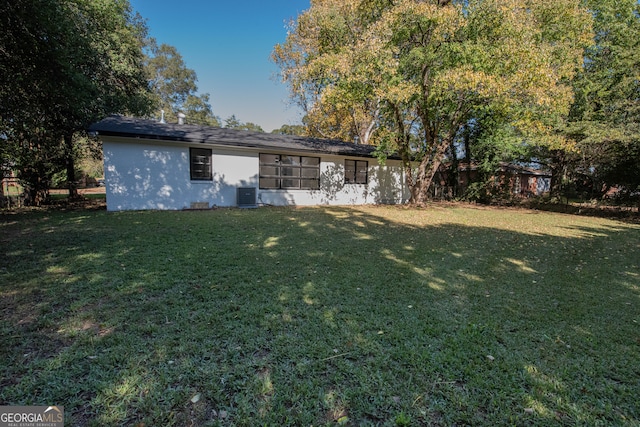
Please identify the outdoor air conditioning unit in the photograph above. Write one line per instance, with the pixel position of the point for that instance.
(247, 197)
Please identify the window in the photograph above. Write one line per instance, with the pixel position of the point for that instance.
(279, 171)
(200, 162)
(355, 171)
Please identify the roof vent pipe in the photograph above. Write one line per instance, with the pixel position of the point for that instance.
(356, 140)
(162, 116)
(181, 117)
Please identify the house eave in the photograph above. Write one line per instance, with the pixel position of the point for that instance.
(138, 129)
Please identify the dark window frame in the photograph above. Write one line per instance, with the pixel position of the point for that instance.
(288, 172)
(353, 171)
(201, 171)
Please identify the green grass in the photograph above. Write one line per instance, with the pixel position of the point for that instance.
(321, 316)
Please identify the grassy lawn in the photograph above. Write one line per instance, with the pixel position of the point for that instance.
(322, 316)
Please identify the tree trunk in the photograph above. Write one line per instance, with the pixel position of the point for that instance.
(365, 137)
(453, 179)
(467, 154)
(557, 167)
(402, 140)
(71, 167)
(36, 190)
(427, 171)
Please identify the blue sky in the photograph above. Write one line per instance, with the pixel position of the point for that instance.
(228, 44)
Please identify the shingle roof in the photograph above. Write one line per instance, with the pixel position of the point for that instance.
(148, 129)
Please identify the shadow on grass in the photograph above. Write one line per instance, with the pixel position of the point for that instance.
(321, 315)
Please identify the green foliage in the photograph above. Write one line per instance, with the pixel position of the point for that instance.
(605, 117)
(232, 122)
(607, 88)
(69, 63)
(403, 420)
(478, 191)
(64, 65)
(174, 87)
(298, 130)
(89, 166)
(170, 80)
(334, 107)
(252, 127)
(412, 69)
(197, 110)
(35, 157)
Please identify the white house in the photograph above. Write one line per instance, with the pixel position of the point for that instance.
(151, 165)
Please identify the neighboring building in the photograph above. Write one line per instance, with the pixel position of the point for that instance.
(10, 189)
(151, 165)
(526, 181)
(520, 181)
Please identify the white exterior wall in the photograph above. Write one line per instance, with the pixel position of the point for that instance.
(155, 175)
(385, 184)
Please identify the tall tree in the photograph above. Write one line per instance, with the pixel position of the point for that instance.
(174, 86)
(605, 117)
(232, 122)
(298, 130)
(317, 43)
(198, 111)
(65, 65)
(430, 67)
